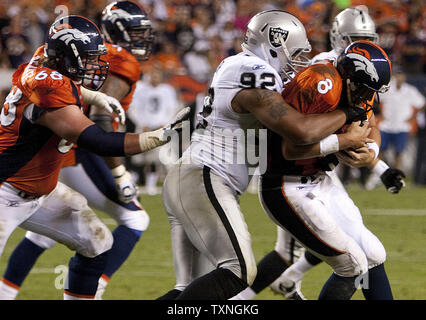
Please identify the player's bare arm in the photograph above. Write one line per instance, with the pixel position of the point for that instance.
(71, 124)
(272, 111)
(355, 137)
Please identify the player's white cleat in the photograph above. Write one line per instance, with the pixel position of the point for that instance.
(289, 289)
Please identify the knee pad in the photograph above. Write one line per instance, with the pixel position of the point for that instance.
(349, 264)
(374, 249)
(41, 241)
(95, 237)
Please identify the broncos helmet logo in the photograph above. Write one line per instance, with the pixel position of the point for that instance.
(362, 63)
(120, 14)
(68, 35)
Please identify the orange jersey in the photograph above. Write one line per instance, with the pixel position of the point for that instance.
(315, 89)
(124, 65)
(31, 155)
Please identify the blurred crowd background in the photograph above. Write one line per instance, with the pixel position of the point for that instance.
(194, 36)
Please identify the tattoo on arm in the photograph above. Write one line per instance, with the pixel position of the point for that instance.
(276, 108)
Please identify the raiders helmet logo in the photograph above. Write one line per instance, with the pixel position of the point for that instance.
(275, 34)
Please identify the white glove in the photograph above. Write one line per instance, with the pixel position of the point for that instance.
(126, 189)
(103, 101)
(176, 124)
(152, 139)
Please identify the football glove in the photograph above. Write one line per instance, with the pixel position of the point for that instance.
(353, 113)
(153, 139)
(392, 179)
(124, 185)
(176, 123)
(103, 101)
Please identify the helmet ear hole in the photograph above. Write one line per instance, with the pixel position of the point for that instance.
(273, 53)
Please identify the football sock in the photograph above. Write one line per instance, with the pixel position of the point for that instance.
(298, 269)
(338, 288)
(246, 294)
(83, 276)
(171, 295)
(268, 269)
(8, 290)
(125, 240)
(21, 261)
(378, 285)
(219, 284)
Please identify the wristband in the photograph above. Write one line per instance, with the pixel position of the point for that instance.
(380, 167)
(373, 146)
(329, 145)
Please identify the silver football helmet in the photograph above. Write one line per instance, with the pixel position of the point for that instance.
(280, 39)
(350, 25)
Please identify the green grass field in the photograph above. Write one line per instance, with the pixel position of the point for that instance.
(398, 220)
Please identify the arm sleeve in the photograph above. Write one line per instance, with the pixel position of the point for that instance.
(106, 144)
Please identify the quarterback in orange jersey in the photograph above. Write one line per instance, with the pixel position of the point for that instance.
(40, 120)
(300, 197)
(349, 25)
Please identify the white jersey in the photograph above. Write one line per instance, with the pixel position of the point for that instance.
(153, 107)
(223, 136)
(329, 55)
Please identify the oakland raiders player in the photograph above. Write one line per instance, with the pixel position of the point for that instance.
(201, 191)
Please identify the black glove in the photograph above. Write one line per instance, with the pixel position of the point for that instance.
(392, 179)
(353, 114)
(327, 163)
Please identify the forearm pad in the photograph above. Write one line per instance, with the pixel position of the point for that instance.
(106, 144)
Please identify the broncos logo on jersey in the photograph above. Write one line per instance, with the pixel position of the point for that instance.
(68, 35)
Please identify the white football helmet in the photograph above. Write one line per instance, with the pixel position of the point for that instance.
(350, 25)
(280, 39)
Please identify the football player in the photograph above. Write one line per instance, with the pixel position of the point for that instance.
(244, 94)
(350, 25)
(40, 121)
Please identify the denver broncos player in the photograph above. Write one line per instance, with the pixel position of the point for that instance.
(349, 25)
(300, 197)
(127, 30)
(40, 121)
